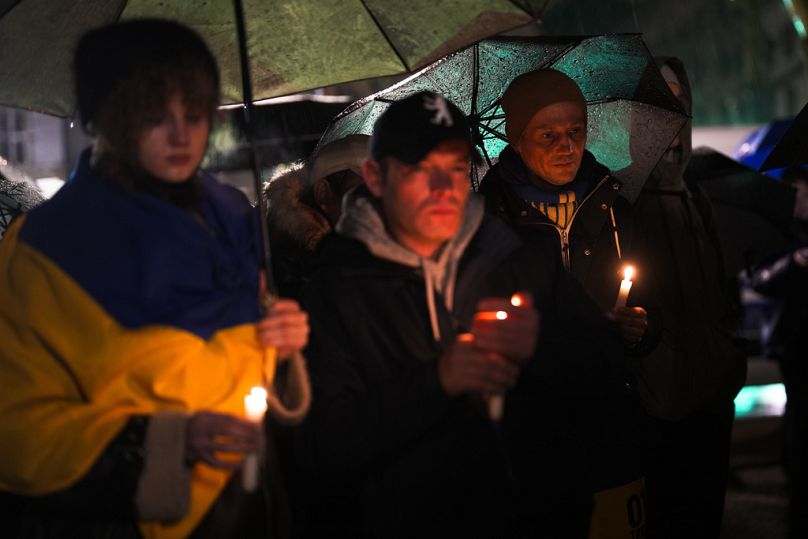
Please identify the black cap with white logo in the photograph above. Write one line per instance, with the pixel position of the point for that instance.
(411, 128)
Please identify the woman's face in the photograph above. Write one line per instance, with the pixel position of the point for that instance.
(171, 146)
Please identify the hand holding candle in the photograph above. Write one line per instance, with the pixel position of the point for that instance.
(507, 329)
(507, 326)
(633, 321)
(255, 406)
(465, 369)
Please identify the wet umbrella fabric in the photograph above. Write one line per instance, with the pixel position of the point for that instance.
(753, 212)
(792, 148)
(632, 114)
(263, 49)
(294, 45)
(17, 195)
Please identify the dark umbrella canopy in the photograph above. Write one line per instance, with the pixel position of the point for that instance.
(294, 45)
(632, 115)
(792, 148)
(756, 147)
(752, 211)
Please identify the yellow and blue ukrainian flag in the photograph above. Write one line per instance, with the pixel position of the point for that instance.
(114, 305)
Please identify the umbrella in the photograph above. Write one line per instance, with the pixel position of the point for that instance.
(753, 212)
(17, 194)
(791, 149)
(757, 146)
(293, 45)
(632, 114)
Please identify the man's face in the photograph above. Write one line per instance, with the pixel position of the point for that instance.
(553, 142)
(424, 203)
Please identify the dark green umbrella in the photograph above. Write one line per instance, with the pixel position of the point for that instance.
(263, 48)
(753, 213)
(294, 45)
(632, 114)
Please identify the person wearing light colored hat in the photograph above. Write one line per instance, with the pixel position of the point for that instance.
(305, 203)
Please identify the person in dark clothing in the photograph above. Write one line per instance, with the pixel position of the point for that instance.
(304, 204)
(405, 349)
(689, 382)
(786, 279)
(130, 315)
(550, 189)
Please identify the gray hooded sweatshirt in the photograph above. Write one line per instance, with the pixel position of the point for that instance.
(362, 219)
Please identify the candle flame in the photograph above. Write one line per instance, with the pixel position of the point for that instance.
(502, 315)
(628, 273)
(258, 391)
(516, 300)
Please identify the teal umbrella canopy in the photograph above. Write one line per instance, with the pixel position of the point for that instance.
(293, 45)
(632, 115)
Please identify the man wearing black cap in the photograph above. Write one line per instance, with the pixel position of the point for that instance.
(413, 328)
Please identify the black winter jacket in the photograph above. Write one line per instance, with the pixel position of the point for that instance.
(391, 454)
(587, 245)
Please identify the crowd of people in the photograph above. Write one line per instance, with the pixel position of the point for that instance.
(471, 374)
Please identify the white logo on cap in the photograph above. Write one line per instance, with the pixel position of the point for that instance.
(442, 115)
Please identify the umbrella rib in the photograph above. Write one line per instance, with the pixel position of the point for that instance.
(8, 8)
(386, 37)
(120, 11)
(486, 128)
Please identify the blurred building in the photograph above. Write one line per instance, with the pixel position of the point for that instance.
(745, 57)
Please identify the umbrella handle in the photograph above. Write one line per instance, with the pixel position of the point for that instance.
(246, 89)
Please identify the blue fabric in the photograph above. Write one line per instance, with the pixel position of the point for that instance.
(146, 261)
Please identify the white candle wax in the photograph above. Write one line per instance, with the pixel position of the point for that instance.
(496, 405)
(625, 287)
(255, 405)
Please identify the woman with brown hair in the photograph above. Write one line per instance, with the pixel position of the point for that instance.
(130, 316)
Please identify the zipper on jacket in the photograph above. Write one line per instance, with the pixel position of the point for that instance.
(564, 233)
(565, 246)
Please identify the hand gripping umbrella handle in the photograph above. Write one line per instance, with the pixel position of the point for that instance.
(291, 407)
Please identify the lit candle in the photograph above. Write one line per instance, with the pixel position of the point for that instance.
(492, 315)
(625, 287)
(496, 401)
(255, 405)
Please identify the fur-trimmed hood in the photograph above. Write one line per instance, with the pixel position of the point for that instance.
(293, 221)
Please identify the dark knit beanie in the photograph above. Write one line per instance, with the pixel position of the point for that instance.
(106, 56)
(530, 92)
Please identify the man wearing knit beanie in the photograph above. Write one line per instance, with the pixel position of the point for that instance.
(534, 103)
(550, 189)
